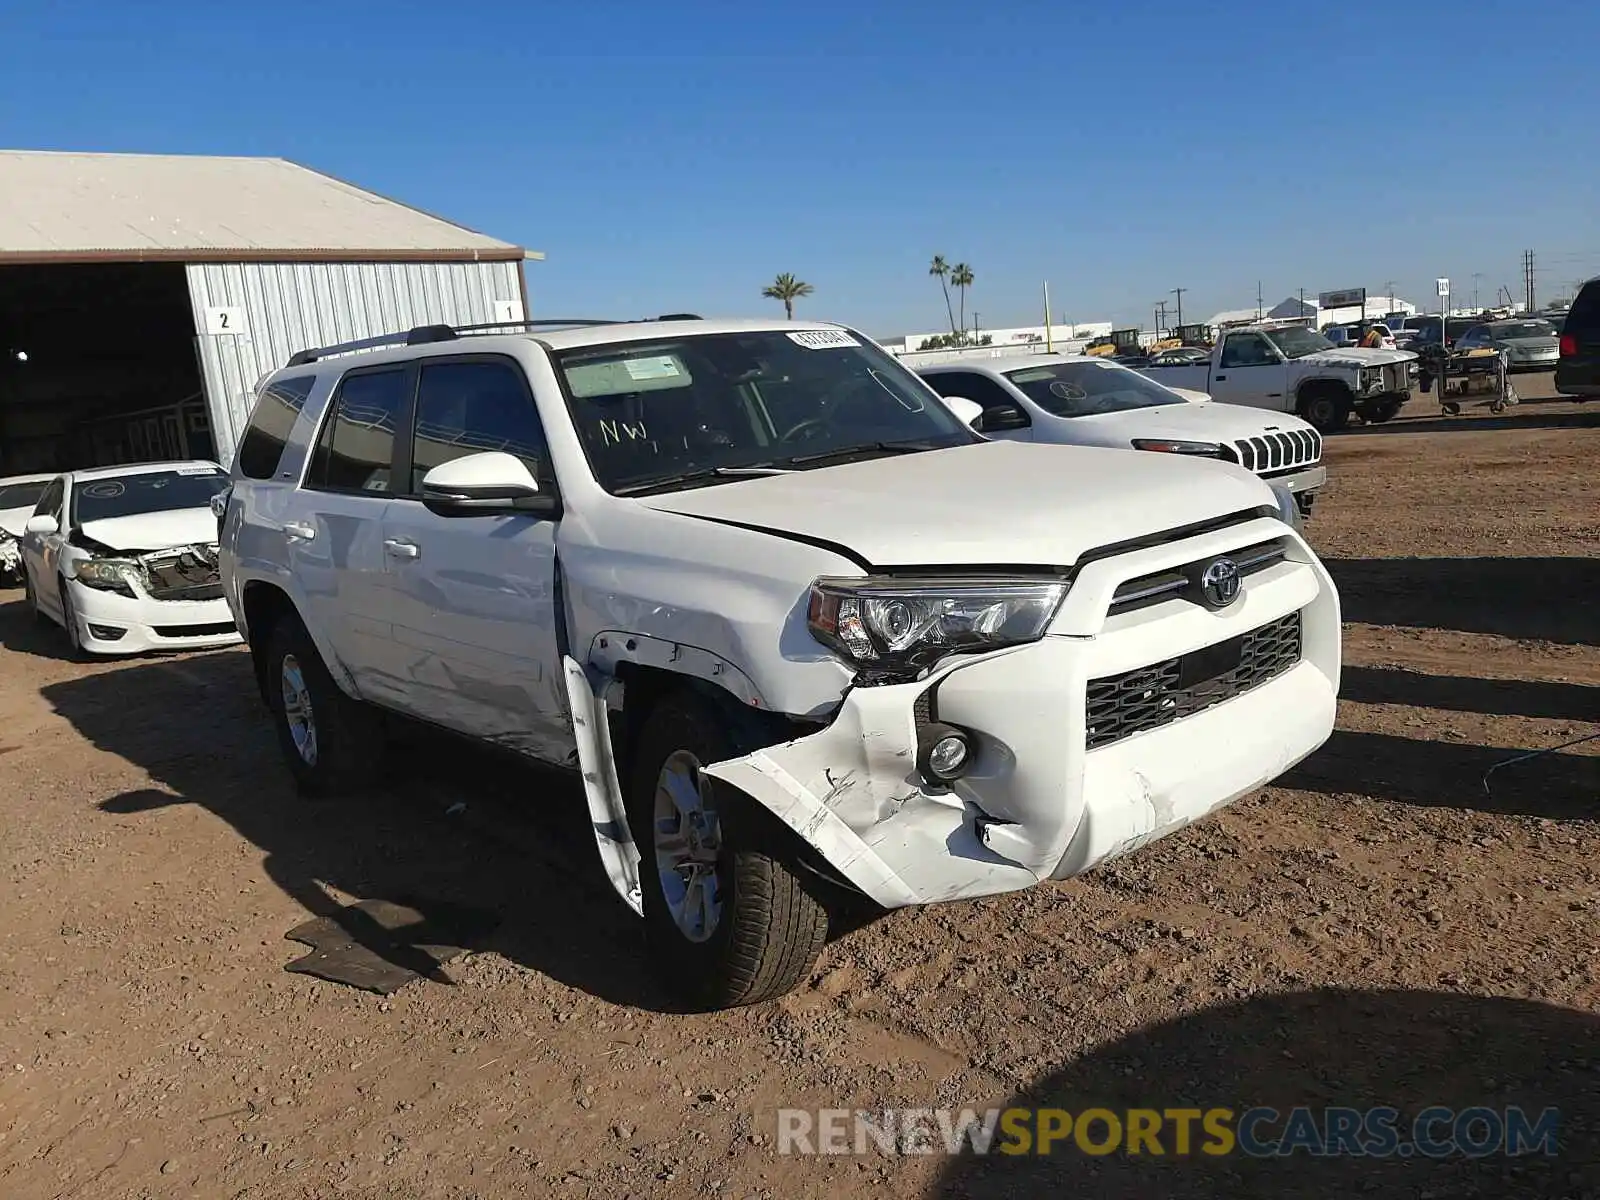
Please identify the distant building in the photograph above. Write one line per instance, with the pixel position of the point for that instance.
(1294, 308)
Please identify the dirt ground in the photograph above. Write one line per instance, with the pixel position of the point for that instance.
(1380, 927)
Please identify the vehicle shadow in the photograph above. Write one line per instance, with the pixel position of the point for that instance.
(1422, 422)
(1545, 599)
(1458, 693)
(1437, 774)
(20, 632)
(1329, 1048)
(457, 826)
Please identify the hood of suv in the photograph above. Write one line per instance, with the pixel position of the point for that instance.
(1195, 422)
(154, 531)
(993, 504)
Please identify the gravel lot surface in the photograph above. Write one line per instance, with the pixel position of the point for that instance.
(1377, 928)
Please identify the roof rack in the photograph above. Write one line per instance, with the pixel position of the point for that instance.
(424, 335)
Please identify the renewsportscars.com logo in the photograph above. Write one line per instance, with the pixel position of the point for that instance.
(1333, 1132)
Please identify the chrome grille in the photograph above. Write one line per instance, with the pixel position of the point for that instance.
(187, 573)
(1288, 451)
(1176, 583)
(1147, 698)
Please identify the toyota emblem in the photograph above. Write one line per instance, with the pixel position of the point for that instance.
(1219, 583)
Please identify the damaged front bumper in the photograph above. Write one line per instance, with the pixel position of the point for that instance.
(1048, 795)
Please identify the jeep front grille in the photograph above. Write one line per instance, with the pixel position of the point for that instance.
(1147, 698)
(1274, 452)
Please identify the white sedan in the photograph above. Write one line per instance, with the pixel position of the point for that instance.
(19, 495)
(125, 558)
(1079, 400)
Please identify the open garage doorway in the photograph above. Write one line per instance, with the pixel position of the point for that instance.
(99, 367)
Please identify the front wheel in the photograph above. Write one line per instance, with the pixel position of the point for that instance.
(332, 743)
(69, 618)
(728, 920)
(1385, 410)
(1327, 411)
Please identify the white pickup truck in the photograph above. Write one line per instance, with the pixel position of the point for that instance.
(798, 628)
(1288, 368)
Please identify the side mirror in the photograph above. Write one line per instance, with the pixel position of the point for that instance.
(42, 525)
(1002, 417)
(478, 484)
(966, 411)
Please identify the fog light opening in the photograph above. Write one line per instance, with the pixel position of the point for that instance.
(105, 633)
(944, 754)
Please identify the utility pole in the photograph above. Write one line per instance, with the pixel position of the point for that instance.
(1527, 275)
(1258, 299)
(974, 325)
(1161, 316)
(1178, 292)
(1388, 290)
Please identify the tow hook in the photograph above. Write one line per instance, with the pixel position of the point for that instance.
(1003, 837)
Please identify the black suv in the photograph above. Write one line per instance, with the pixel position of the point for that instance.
(1578, 368)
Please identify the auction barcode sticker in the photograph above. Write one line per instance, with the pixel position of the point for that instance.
(823, 339)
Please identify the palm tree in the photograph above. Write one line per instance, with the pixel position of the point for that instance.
(961, 278)
(788, 289)
(941, 270)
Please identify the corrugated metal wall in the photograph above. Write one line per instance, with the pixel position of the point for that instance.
(250, 317)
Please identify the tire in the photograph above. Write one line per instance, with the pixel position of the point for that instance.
(1377, 414)
(1327, 410)
(31, 598)
(769, 925)
(69, 618)
(345, 749)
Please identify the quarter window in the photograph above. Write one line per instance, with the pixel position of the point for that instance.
(276, 410)
(355, 452)
(470, 407)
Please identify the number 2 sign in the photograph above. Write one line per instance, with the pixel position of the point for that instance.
(224, 320)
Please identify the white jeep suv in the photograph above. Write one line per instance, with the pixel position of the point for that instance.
(798, 627)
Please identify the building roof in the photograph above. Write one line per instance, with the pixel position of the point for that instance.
(68, 207)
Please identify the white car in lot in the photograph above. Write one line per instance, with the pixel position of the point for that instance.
(799, 629)
(1076, 400)
(125, 558)
(19, 495)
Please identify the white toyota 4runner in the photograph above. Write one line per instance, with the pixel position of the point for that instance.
(799, 628)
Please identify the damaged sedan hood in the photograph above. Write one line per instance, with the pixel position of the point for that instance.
(154, 531)
(991, 504)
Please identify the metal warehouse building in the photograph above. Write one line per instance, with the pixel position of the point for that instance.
(142, 296)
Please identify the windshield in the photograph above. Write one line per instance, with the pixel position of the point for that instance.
(21, 495)
(656, 410)
(1523, 329)
(147, 492)
(1085, 389)
(1295, 342)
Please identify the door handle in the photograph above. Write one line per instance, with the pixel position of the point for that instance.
(299, 529)
(401, 548)
(1219, 378)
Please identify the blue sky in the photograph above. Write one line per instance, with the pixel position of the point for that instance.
(676, 157)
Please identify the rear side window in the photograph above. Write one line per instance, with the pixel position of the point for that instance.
(276, 411)
(469, 407)
(1585, 311)
(355, 451)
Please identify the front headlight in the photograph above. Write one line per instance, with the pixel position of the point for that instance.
(911, 623)
(1178, 446)
(109, 574)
